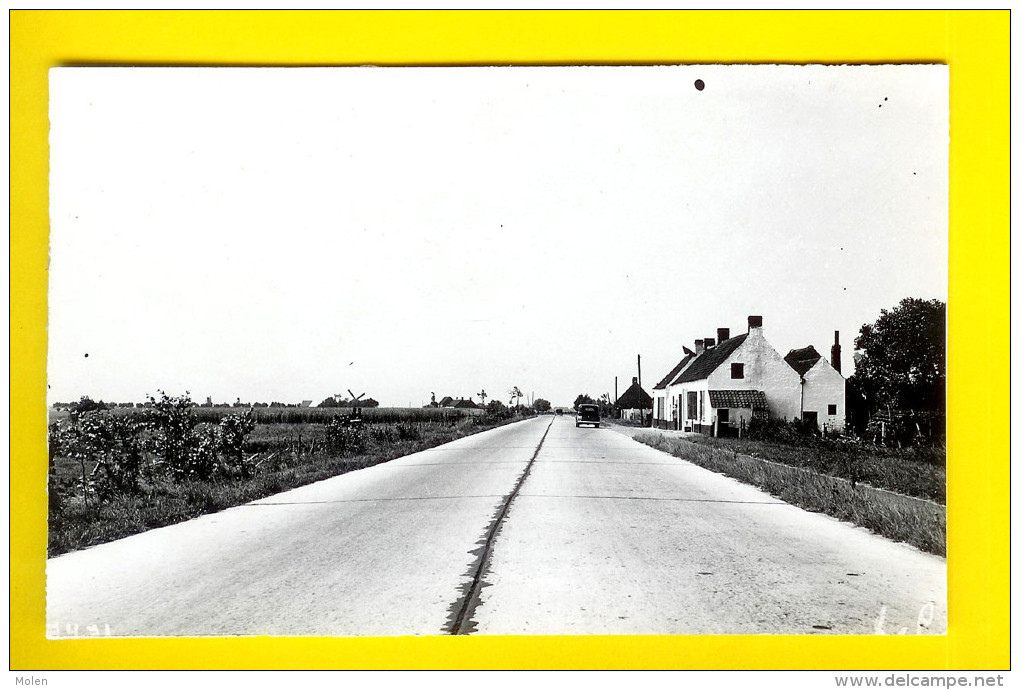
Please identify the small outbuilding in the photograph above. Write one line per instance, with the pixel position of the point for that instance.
(634, 405)
(822, 388)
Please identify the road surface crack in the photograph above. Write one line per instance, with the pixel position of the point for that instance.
(462, 611)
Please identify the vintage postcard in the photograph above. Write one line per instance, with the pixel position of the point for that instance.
(497, 351)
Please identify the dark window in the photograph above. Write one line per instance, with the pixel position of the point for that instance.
(832, 409)
(737, 370)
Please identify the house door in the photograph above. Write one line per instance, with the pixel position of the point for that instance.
(811, 418)
(723, 416)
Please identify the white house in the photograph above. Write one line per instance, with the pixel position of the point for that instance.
(726, 383)
(822, 387)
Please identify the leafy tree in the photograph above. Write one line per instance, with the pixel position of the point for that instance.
(606, 408)
(583, 399)
(542, 405)
(900, 359)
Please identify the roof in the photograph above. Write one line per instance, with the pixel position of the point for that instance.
(466, 404)
(746, 399)
(802, 359)
(673, 372)
(709, 360)
(634, 398)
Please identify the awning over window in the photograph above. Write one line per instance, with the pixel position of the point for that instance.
(745, 399)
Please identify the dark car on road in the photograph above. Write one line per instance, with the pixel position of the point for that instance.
(587, 414)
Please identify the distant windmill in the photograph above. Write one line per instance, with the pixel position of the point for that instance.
(354, 419)
(483, 396)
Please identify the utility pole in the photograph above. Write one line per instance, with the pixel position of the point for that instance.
(616, 389)
(639, 372)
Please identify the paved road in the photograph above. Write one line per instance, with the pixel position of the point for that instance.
(534, 528)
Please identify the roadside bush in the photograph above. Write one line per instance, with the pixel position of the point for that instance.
(778, 430)
(343, 439)
(179, 453)
(232, 432)
(184, 449)
(495, 412)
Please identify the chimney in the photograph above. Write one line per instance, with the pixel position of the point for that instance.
(699, 346)
(633, 380)
(835, 354)
(709, 342)
(753, 322)
(723, 333)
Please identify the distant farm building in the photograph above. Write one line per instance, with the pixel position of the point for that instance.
(635, 404)
(456, 403)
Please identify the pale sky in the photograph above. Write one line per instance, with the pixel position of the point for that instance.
(287, 234)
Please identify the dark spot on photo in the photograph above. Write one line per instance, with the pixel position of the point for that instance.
(699, 85)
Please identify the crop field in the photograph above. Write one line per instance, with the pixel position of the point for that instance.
(304, 415)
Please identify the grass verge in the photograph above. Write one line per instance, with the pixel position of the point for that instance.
(916, 521)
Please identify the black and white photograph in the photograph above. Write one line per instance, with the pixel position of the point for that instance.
(430, 351)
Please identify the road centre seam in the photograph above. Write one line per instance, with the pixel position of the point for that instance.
(461, 622)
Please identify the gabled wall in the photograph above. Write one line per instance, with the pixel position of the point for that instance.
(824, 386)
(764, 370)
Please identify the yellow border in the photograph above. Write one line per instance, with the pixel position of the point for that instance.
(974, 44)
